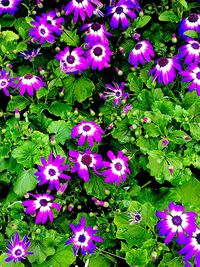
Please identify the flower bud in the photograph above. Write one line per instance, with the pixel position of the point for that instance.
(41, 71)
(141, 13)
(154, 255)
(121, 50)
(62, 189)
(70, 207)
(187, 138)
(171, 169)
(52, 140)
(17, 114)
(136, 36)
(165, 142)
(1, 114)
(133, 127)
(92, 113)
(146, 119)
(62, 93)
(38, 231)
(119, 72)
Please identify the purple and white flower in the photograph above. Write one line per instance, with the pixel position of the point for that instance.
(165, 70)
(83, 161)
(135, 217)
(116, 93)
(42, 32)
(17, 249)
(120, 12)
(29, 83)
(191, 52)
(192, 75)
(83, 238)
(72, 61)
(30, 55)
(9, 6)
(116, 169)
(6, 82)
(98, 56)
(142, 52)
(192, 22)
(89, 130)
(43, 203)
(51, 171)
(175, 221)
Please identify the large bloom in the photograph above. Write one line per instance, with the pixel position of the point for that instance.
(191, 52)
(117, 168)
(98, 56)
(143, 51)
(89, 130)
(192, 22)
(30, 55)
(6, 82)
(81, 8)
(192, 75)
(17, 249)
(175, 221)
(164, 70)
(83, 161)
(42, 32)
(43, 203)
(72, 61)
(29, 83)
(51, 171)
(120, 12)
(116, 93)
(83, 238)
(9, 6)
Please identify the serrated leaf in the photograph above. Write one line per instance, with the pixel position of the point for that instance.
(40, 252)
(168, 16)
(70, 38)
(142, 21)
(19, 102)
(61, 129)
(60, 109)
(137, 257)
(25, 182)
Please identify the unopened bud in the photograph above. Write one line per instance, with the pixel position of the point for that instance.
(136, 36)
(52, 140)
(187, 138)
(38, 231)
(62, 189)
(165, 142)
(110, 126)
(154, 255)
(119, 72)
(121, 49)
(171, 169)
(61, 93)
(141, 13)
(41, 71)
(17, 114)
(70, 207)
(92, 113)
(133, 127)
(146, 119)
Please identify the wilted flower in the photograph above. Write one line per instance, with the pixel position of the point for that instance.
(6, 82)
(192, 22)
(30, 55)
(191, 52)
(9, 6)
(192, 75)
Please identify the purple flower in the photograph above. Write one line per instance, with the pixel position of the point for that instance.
(9, 6)
(30, 55)
(72, 62)
(83, 238)
(81, 8)
(117, 169)
(96, 33)
(143, 51)
(191, 52)
(42, 32)
(120, 12)
(98, 56)
(127, 108)
(29, 83)
(192, 22)
(6, 82)
(135, 217)
(89, 130)
(83, 161)
(135, 3)
(17, 249)
(43, 203)
(175, 221)
(116, 93)
(51, 171)
(164, 70)
(192, 75)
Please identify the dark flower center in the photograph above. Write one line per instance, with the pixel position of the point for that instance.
(163, 61)
(96, 26)
(193, 17)
(176, 220)
(43, 31)
(138, 46)
(18, 252)
(198, 75)
(28, 76)
(43, 202)
(86, 160)
(195, 45)
(52, 172)
(70, 59)
(79, 1)
(119, 10)
(118, 166)
(3, 83)
(137, 217)
(98, 51)
(198, 239)
(118, 93)
(82, 238)
(86, 128)
(5, 2)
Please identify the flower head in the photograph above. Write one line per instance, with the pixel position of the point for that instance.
(17, 249)
(164, 70)
(89, 130)
(191, 52)
(84, 161)
(83, 238)
(43, 203)
(9, 6)
(42, 32)
(192, 22)
(192, 75)
(116, 169)
(51, 171)
(6, 82)
(30, 55)
(135, 217)
(143, 51)
(175, 221)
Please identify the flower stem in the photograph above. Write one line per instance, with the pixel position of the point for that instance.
(109, 253)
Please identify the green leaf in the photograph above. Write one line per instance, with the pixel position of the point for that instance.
(135, 84)
(183, 3)
(142, 21)
(19, 102)
(70, 38)
(10, 264)
(168, 16)
(60, 109)
(10, 36)
(191, 33)
(101, 260)
(21, 46)
(40, 252)
(137, 257)
(61, 129)
(25, 182)
(41, 92)
(122, 131)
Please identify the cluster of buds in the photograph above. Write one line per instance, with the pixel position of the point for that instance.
(100, 202)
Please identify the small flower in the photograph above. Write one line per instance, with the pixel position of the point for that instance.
(43, 203)
(29, 83)
(6, 82)
(51, 171)
(9, 6)
(83, 238)
(98, 56)
(117, 169)
(192, 22)
(165, 70)
(175, 221)
(72, 61)
(116, 92)
(192, 75)
(119, 14)
(83, 161)
(89, 130)
(42, 32)
(17, 249)
(191, 52)
(30, 55)
(143, 51)
(135, 217)
(165, 142)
